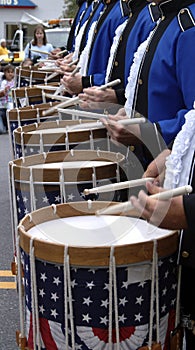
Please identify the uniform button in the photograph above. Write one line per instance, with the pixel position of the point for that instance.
(137, 115)
(185, 254)
(116, 63)
(140, 81)
(132, 148)
(95, 31)
(182, 11)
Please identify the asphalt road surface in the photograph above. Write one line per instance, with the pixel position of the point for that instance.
(9, 310)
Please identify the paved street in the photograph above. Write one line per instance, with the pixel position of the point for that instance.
(9, 310)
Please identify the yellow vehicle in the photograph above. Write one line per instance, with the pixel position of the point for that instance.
(16, 54)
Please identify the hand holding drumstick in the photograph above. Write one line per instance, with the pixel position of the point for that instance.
(163, 208)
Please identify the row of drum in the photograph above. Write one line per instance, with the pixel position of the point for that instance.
(84, 281)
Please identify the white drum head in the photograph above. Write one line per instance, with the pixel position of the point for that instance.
(71, 165)
(96, 231)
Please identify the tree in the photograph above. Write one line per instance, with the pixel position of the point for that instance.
(70, 8)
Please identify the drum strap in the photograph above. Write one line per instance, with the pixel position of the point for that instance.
(68, 299)
(34, 297)
(154, 345)
(113, 290)
(20, 335)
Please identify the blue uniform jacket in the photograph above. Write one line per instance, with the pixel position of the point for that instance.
(102, 42)
(80, 13)
(91, 16)
(140, 24)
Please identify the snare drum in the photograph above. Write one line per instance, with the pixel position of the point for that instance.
(27, 115)
(59, 177)
(26, 96)
(60, 135)
(106, 282)
(27, 76)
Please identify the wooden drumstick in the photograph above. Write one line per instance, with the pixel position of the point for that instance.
(118, 186)
(51, 76)
(45, 61)
(100, 125)
(46, 87)
(61, 52)
(39, 51)
(76, 70)
(55, 74)
(92, 115)
(126, 206)
(74, 100)
(73, 63)
(57, 97)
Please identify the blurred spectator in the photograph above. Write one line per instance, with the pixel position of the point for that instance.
(38, 48)
(3, 47)
(27, 63)
(6, 101)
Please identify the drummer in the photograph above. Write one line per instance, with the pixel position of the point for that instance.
(83, 5)
(93, 59)
(162, 95)
(79, 37)
(172, 169)
(128, 37)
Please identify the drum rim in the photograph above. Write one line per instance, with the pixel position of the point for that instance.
(89, 256)
(21, 169)
(27, 113)
(22, 134)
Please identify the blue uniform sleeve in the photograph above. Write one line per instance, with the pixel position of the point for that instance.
(185, 75)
